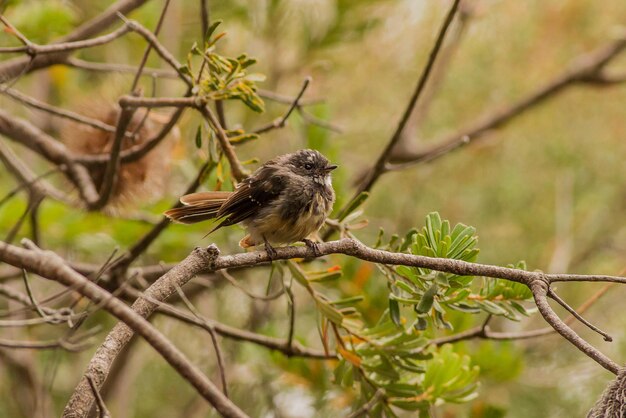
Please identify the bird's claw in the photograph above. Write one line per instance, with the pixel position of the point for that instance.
(313, 246)
(271, 252)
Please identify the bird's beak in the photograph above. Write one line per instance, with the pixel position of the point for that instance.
(329, 168)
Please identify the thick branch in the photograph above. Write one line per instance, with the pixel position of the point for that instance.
(540, 289)
(102, 361)
(48, 264)
(26, 134)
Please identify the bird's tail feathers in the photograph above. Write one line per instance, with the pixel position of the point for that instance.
(198, 207)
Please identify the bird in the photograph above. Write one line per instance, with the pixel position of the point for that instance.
(286, 200)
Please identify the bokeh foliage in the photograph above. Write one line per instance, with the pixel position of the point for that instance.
(565, 158)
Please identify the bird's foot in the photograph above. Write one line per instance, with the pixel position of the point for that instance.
(271, 252)
(313, 246)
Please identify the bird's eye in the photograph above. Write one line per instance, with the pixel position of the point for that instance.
(308, 166)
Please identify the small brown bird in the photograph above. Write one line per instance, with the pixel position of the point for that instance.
(284, 201)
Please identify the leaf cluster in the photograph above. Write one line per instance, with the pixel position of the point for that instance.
(396, 356)
(221, 77)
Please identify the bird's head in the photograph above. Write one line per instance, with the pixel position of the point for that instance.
(310, 163)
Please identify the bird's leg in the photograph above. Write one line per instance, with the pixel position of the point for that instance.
(271, 252)
(312, 245)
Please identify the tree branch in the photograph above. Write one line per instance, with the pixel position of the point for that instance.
(540, 290)
(239, 173)
(48, 264)
(379, 167)
(22, 65)
(584, 69)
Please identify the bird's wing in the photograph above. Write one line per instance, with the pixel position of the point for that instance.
(204, 197)
(252, 194)
(198, 207)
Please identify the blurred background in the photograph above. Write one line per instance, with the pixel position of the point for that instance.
(548, 188)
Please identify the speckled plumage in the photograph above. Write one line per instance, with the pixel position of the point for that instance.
(286, 200)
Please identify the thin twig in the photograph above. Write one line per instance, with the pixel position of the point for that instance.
(14, 68)
(12, 29)
(216, 346)
(540, 289)
(57, 111)
(31, 297)
(367, 407)
(281, 121)
(287, 100)
(158, 47)
(277, 344)
(23, 132)
(552, 294)
(151, 102)
(103, 412)
(52, 266)
(144, 58)
(379, 167)
(105, 67)
(34, 49)
(314, 120)
(144, 242)
(584, 69)
(112, 169)
(45, 345)
(239, 173)
(136, 152)
(225, 274)
(20, 221)
(28, 184)
(291, 306)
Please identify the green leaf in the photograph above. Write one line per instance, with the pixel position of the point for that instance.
(199, 137)
(325, 277)
(394, 311)
(347, 301)
(298, 274)
(408, 239)
(353, 205)
(404, 286)
(211, 29)
(421, 324)
(185, 70)
(329, 312)
(427, 299)
(379, 238)
(240, 139)
(405, 271)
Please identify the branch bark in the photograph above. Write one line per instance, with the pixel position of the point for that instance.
(24, 65)
(50, 265)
